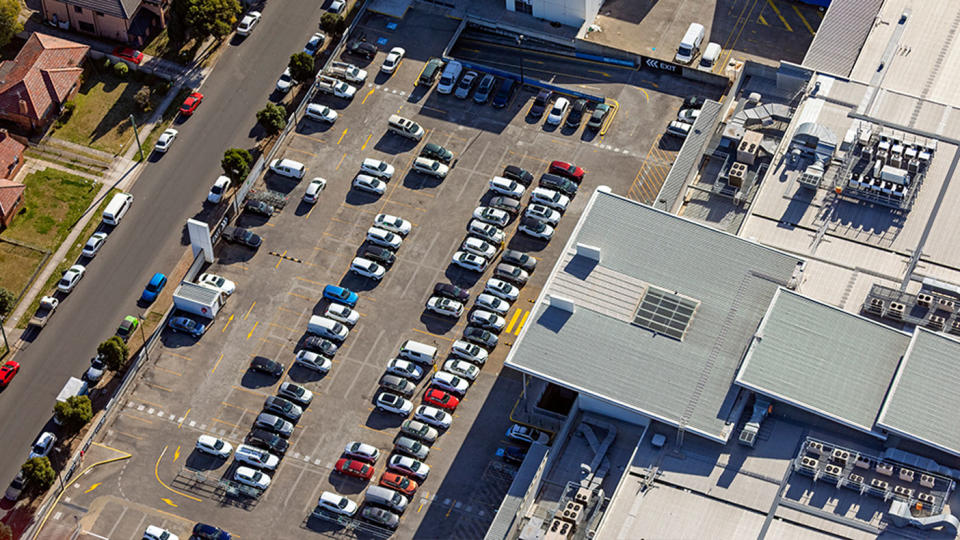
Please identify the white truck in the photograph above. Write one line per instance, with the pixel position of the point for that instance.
(329, 85)
(74, 387)
(198, 300)
(48, 305)
(347, 72)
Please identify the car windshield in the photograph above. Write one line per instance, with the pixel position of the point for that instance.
(217, 189)
(97, 363)
(218, 445)
(285, 78)
(556, 110)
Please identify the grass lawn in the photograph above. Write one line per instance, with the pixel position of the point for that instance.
(17, 264)
(102, 117)
(164, 123)
(55, 200)
(161, 46)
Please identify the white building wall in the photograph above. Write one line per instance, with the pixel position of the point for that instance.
(568, 12)
(594, 405)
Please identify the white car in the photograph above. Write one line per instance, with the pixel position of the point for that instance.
(156, 533)
(44, 444)
(341, 313)
(430, 167)
(504, 186)
(393, 224)
(466, 84)
(94, 243)
(404, 368)
(219, 283)
(285, 82)
(256, 457)
(70, 278)
(362, 451)
(219, 188)
(490, 302)
(527, 434)
(392, 403)
(502, 289)
(445, 306)
(487, 320)
(385, 238)
(337, 6)
(312, 360)
(449, 382)
(314, 188)
(537, 229)
(213, 446)
(321, 113)
(288, 167)
(365, 182)
(392, 60)
(252, 477)
(462, 369)
(247, 23)
(166, 139)
(349, 72)
(409, 466)
(688, 116)
(342, 89)
(367, 268)
(492, 216)
(551, 198)
(314, 44)
(559, 109)
(469, 261)
(337, 504)
(486, 231)
(544, 213)
(478, 246)
(377, 168)
(433, 416)
(469, 351)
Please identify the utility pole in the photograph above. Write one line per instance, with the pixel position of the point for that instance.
(143, 337)
(136, 135)
(520, 39)
(3, 331)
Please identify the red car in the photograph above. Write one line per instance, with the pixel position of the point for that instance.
(352, 467)
(191, 103)
(128, 54)
(7, 372)
(398, 482)
(439, 398)
(568, 170)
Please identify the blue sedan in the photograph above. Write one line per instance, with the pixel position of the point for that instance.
(187, 325)
(341, 295)
(150, 292)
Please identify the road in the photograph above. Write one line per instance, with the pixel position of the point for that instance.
(149, 239)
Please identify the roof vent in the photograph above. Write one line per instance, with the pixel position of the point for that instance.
(590, 252)
(560, 302)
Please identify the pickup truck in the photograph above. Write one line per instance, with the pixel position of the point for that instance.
(48, 305)
(347, 72)
(329, 85)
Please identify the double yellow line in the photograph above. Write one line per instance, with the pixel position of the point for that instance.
(513, 321)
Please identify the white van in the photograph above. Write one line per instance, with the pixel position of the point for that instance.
(449, 78)
(418, 352)
(404, 127)
(679, 129)
(327, 328)
(690, 44)
(382, 496)
(117, 208)
(710, 56)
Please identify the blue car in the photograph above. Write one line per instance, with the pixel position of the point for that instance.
(150, 292)
(341, 295)
(187, 325)
(202, 531)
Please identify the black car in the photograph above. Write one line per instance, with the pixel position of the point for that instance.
(540, 103)
(599, 115)
(202, 531)
(451, 291)
(522, 176)
(258, 207)
(507, 204)
(437, 152)
(362, 48)
(238, 235)
(693, 102)
(576, 113)
(480, 336)
(265, 365)
(320, 345)
(381, 255)
(519, 259)
(269, 441)
(398, 385)
(504, 93)
(513, 454)
(558, 183)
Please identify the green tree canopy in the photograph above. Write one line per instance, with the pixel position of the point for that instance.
(74, 413)
(9, 25)
(273, 118)
(236, 163)
(211, 17)
(301, 66)
(114, 352)
(38, 474)
(7, 300)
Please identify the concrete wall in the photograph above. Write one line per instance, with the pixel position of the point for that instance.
(568, 12)
(86, 20)
(594, 405)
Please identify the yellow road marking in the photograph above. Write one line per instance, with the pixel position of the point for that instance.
(804, 19)
(604, 73)
(308, 281)
(168, 501)
(280, 259)
(144, 420)
(365, 99)
(156, 472)
(249, 391)
(249, 310)
(646, 96)
(302, 151)
(188, 412)
(450, 509)
(364, 147)
(300, 296)
(780, 15)
(522, 322)
(341, 161)
(309, 137)
(230, 320)
(170, 371)
(252, 329)
(217, 364)
(176, 454)
(93, 487)
(342, 135)
(513, 320)
(432, 334)
(158, 387)
(762, 21)
(118, 432)
(179, 355)
(219, 421)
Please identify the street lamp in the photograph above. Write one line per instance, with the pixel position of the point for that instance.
(520, 38)
(143, 336)
(6, 346)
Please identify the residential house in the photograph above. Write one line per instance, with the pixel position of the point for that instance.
(35, 85)
(11, 200)
(127, 21)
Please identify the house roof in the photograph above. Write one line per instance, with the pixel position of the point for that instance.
(124, 9)
(11, 152)
(822, 359)
(599, 349)
(10, 191)
(42, 74)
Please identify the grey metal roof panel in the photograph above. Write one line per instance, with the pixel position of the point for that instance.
(823, 359)
(924, 400)
(195, 292)
(688, 158)
(124, 9)
(841, 36)
(679, 382)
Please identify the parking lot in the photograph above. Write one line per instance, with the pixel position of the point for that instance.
(193, 387)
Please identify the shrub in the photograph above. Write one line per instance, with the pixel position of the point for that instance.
(142, 98)
(38, 474)
(333, 23)
(65, 113)
(273, 118)
(107, 63)
(74, 413)
(114, 352)
(121, 69)
(7, 299)
(301, 66)
(236, 164)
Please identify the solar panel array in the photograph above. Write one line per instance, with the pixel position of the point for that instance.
(665, 313)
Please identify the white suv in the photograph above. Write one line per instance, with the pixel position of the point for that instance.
(384, 238)
(431, 167)
(393, 224)
(365, 182)
(469, 261)
(478, 246)
(367, 268)
(337, 504)
(469, 351)
(445, 306)
(507, 187)
(449, 78)
(377, 168)
(256, 457)
(486, 231)
(392, 403)
(550, 198)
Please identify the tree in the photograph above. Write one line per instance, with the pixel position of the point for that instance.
(142, 98)
(74, 413)
(38, 475)
(333, 23)
(6, 533)
(9, 25)
(301, 66)
(236, 164)
(114, 352)
(273, 118)
(211, 17)
(7, 300)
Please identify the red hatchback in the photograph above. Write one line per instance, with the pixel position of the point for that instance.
(128, 54)
(439, 398)
(398, 482)
(7, 372)
(191, 103)
(568, 170)
(352, 467)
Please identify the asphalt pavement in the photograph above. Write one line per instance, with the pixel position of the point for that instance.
(150, 238)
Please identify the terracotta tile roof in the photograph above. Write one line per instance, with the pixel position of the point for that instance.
(41, 75)
(10, 191)
(11, 152)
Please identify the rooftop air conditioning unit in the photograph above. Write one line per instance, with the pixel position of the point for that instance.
(815, 447)
(856, 478)
(863, 462)
(572, 512)
(896, 310)
(926, 498)
(955, 327)
(559, 530)
(582, 496)
(879, 484)
(906, 475)
(833, 470)
(875, 305)
(946, 305)
(840, 455)
(924, 299)
(737, 173)
(809, 462)
(884, 468)
(936, 322)
(927, 481)
(903, 491)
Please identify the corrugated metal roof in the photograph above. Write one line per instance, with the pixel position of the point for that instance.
(678, 382)
(841, 35)
(688, 158)
(823, 359)
(197, 293)
(924, 398)
(507, 513)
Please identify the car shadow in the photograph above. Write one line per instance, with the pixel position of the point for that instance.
(253, 379)
(355, 197)
(346, 485)
(303, 208)
(300, 374)
(464, 279)
(310, 127)
(199, 461)
(550, 128)
(437, 324)
(176, 340)
(358, 283)
(415, 181)
(523, 242)
(249, 219)
(380, 420)
(393, 144)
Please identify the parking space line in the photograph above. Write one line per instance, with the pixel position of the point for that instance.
(292, 149)
(170, 371)
(184, 418)
(803, 19)
(513, 320)
(319, 140)
(388, 200)
(157, 386)
(338, 165)
(281, 308)
(257, 323)
(309, 281)
(364, 426)
(244, 409)
(741, 21)
(229, 320)
(156, 472)
(219, 421)
(247, 314)
(433, 335)
(178, 355)
(522, 322)
(364, 146)
(217, 363)
(129, 415)
(118, 432)
(280, 259)
(300, 296)
(762, 21)
(249, 391)
(780, 15)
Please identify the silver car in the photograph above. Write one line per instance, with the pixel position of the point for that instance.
(411, 447)
(275, 424)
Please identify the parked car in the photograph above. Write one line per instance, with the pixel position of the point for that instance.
(487, 320)
(397, 385)
(362, 451)
(558, 183)
(549, 197)
(491, 216)
(507, 204)
(19, 482)
(355, 468)
(451, 291)
(281, 407)
(419, 431)
(404, 368)
(440, 399)
(312, 194)
(93, 374)
(288, 167)
(202, 531)
(576, 113)
(340, 294)
(437, 152)
(70, 278)
(523, 176)
(285, 82)
(542, 212)
(398, 482)
(484, 89)
(377, 168)
(540, 103)
(445, 306)
(504, 186)
(480, 336)
(600, 113)
(128, 54)
(219, 187)
(449, 383)
(519, 259)
(260, 208)
(210, 445)
(392, 223)
(393, 403)
(43, 445)
(361, 48)
(384, 238)
(469, 261)
(558, 111)
(93, 245)
(191, 103)
(688, 116)
(187, 326)
(342, 314)
(376, 253)
(536, 228)
(248, 23)
(337, 504)
(367, 268)
(409, 466)
(295, 393)
(527, 434)
(511, 273)
(218, 283)
(314, 43)
(268, 441)
(433, 416)
(478, 246)
(321, 113)
(501, 289)
(488, 232)
(411, 447)
(365, 182)
(393, 59)
(274, 423)
(165, 140)
(127, 327)
(504, 92)
(252, 477)
(512, 454)
(153, 288)
(267, 366)
(152, 532)
(461, 368)
(490, 302)
(320, 345)
(466, 84)
(242, 236)
(567, 170)
(313, 361)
